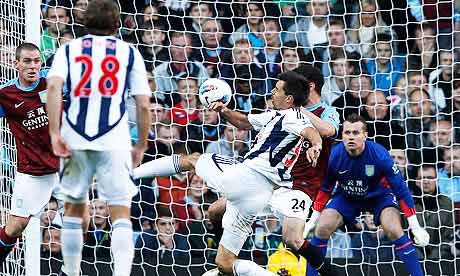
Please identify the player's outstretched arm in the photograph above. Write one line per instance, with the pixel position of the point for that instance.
(325, 128)
(144, 121)
(53, 107)
(236, 118)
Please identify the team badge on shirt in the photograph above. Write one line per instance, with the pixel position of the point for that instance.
(370, 170)
(43, 95)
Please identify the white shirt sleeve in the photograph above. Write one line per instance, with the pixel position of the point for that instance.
(59, 68)
(258, 121)
(137, 78)
(295, 122)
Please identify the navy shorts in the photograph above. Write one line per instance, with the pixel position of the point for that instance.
(351, 208)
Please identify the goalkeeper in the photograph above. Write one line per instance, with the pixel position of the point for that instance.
(367, 180)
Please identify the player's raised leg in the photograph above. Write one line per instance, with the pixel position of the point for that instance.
(166, 166)
(390, 219)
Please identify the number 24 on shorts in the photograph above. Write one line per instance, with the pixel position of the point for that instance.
(109, 67)
(298, 204)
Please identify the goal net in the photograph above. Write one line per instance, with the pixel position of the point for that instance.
(393, 62)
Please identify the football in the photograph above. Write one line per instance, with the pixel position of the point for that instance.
(214, 90)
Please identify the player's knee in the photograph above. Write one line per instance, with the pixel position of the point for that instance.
(224, 264)
(293, 241)
(324, 229)
(393, 230)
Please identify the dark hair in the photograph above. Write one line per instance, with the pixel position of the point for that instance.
(102, 17)
(297, 86)
(163, 211)
(355, 118)
(383, 37)
(336, 21)
(415, 89)
(313, 74)
(456, 80)
(426, 166)
(294, 46)
(25, 46)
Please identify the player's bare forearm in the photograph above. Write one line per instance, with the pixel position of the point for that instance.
(54, 103)
(324, 128)
(144, 120)
(312, 135)
(236, 118)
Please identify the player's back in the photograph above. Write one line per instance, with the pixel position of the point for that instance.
(277, 144)
(305, 177)
(99, 70)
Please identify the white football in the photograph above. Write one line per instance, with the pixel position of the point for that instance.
(214, 90)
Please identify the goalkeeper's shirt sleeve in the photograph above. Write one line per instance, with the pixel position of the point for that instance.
(394, 179)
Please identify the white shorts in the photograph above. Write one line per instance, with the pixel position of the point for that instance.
(31, 193)
(290, 203)
(247, 192)
(112, 170)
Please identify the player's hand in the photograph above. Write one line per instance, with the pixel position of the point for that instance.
(310, 225)
(313, 153)
(137, 153)
(421, 236)
(216, 106)
(59, 146)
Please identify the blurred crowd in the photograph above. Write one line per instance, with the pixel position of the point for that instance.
(394, 62)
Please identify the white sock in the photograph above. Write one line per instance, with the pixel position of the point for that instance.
(122, 247)
(248, 268)
(72, 244)
(164, 166)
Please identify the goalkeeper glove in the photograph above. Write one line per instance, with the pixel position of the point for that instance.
(421, 236)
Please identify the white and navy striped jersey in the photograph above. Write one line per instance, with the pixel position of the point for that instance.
(277, 144)
(98, 71)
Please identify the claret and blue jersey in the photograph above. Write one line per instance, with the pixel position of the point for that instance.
(370, 179)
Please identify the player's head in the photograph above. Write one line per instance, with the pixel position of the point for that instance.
(28, 63)
(291, 90)
(102, 17)
(354, 134)
(314, 76)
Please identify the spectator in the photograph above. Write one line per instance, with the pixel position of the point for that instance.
(51, 242)
(163, 242)
(434, 211)
(186, 107)
(214, 50)
(199, 13)
(78, 17)
(253, 29)
(49, 213)
(152, 46)
(386, 69)
(198, 136)
(249, 89)
(98, 241)
(311, 31)
(371, 244)
(203, 242)
(399, 157)
(417, 124)
(440, 136)
(449, 177)
(354, 97)
(338, 45)
(441, 80)
(423, 55)
(335, 86)
(181, 62)
(367, 26)
(56, 20)
(437, 13)
(452, 112)
(234, 142)
(150, 14)
(292, 56)
(270, 55)
(242, 54)
(381, 129)
(339, 245)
